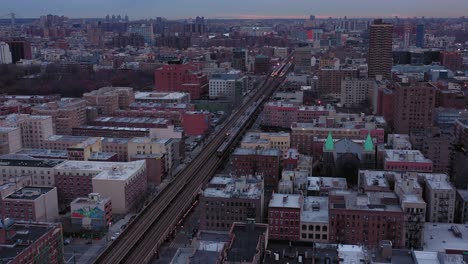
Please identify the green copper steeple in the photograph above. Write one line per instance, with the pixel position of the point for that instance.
(369, 144)
(329, 144)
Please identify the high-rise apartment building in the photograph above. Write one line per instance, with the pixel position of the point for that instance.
(414, 106)
(330, 80)
(5, 54)
(357, 92)
(420, 36)
(239, 59)
(20, 49)
(452, 60)
(302, 58)
(181, 78)
(66, 114)
(380, 49)
(34, 130)
(145, 30)
(109, 99)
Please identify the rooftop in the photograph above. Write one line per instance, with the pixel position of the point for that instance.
(437, 181)
(260, 152)
(159, 105)
(49, 153)
(20, 160)
(315, 209)
(393, 155)
(316, 183)
(286, 200)
(115, 140)
(24, 232)
(159, 96)
(104, 170)
(133, 120)
(148, 140)
(81, 141)
(114, 128)
(371, 201)
(90, 200)
(29, 193)
(246, 240)
(243, 187)
(350, 254)
(101, 155)
(439, 237)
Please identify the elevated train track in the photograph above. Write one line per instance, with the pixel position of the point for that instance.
(140, 241)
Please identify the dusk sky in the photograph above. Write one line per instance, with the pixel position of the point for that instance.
(236, 8)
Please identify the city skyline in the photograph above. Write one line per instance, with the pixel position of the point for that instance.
(257, 9)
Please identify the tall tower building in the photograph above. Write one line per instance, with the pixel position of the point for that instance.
(5, 54)
(380, 49)
(239, 59)
(420, 36)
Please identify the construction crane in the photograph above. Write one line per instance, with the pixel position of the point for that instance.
(12, 17)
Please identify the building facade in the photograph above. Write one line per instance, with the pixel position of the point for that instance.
(380, 58)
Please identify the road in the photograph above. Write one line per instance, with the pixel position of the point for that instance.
(159, 219)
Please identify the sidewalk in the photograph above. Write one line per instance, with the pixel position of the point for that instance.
(98, 245)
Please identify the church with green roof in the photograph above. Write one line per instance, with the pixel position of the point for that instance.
(345, 157)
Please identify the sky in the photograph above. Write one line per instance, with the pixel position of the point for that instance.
(175, 9)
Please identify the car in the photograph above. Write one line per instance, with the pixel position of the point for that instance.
(89, 242)
(66, 241)
(113, 238)
(116, 233)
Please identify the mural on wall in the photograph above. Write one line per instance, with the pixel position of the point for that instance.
(88, 212)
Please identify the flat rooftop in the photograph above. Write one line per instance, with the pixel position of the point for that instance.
(132, 120)
(350, 254)
(160, 96)
(371, 201)
(285, 201)
(260, 152)
(246, 240)
(148, 140)
(243, 187)
(113, 128)
(89, 201)
(29, 193)
(439, 237)
(393, 155)
(104, 170)
(115, 140)
(19, 160)
(24, 232)
(315, 210)
(49, 153)
(68, 138)
(138, 105)
(316, 183)
(102, 155)
(438, 181)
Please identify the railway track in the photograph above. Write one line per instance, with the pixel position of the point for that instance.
(145, 234)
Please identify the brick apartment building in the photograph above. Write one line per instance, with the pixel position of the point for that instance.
(66, 114)
(181, 78)
(414, 106)
(227, 200)
(284, 216)
(366, 218)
